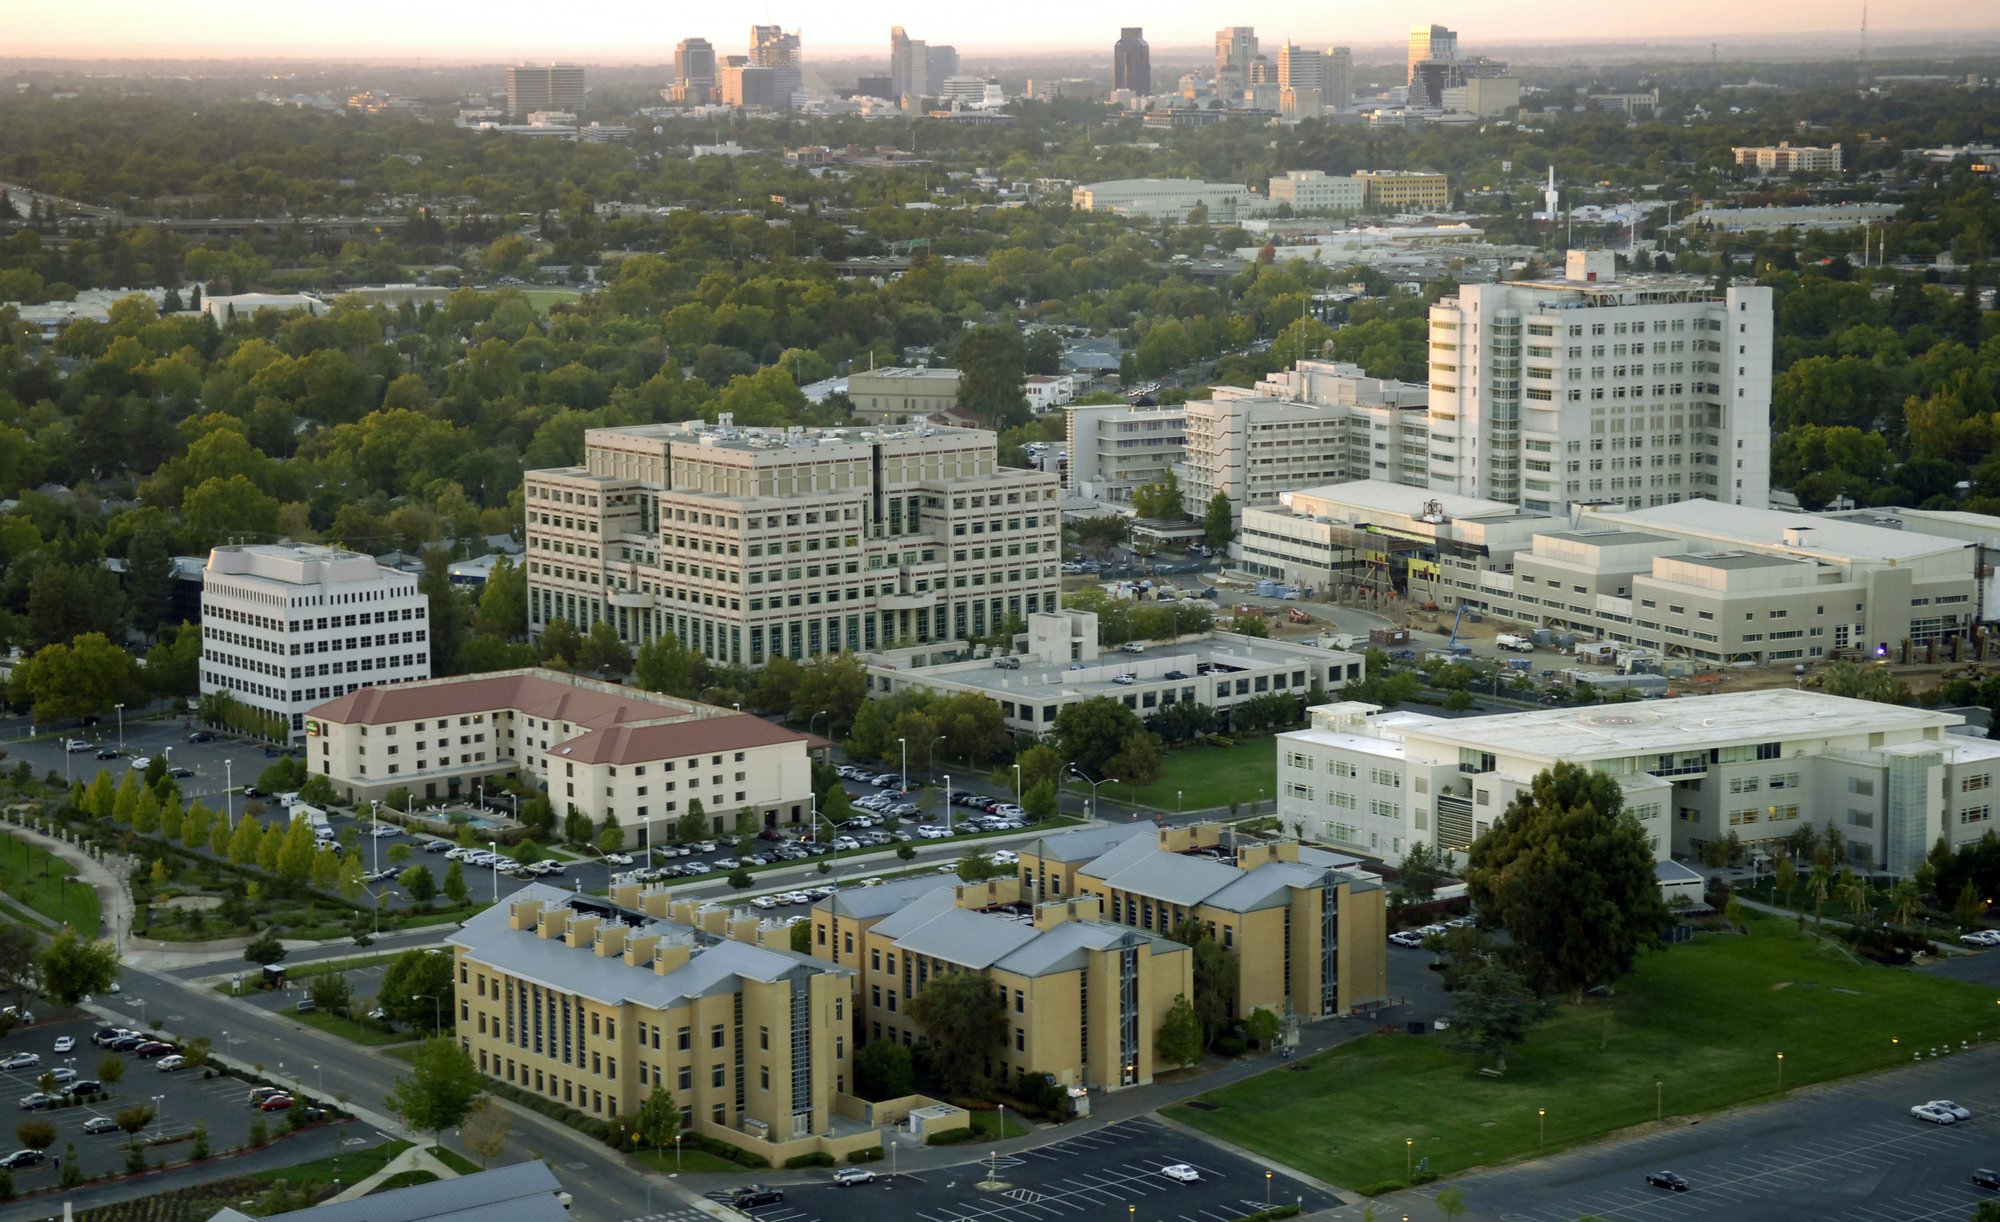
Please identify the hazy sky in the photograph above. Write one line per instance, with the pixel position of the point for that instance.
(631, 31)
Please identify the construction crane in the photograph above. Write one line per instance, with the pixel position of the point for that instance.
(1453, 645)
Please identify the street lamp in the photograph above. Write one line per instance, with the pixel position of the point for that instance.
(1409, 1166)
(495, 846)
(932, 769)
(1541, 1126)
(904, 743)
(121, 727)
(1267, 1189)
(159, 1111)
(1110, 780)
(1180, 808)
(229, 793)
(677, 1154)
(322, 1080)
(947, 806)
(1781, 1071)
(815, 717)
(437, 1010)
(385, 893)
(1017, 784)
(374, 826)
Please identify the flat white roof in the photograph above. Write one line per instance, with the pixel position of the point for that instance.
(1837, 538)
(1689, 723)
(1384, 496)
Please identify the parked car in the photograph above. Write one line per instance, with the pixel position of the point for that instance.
(201, 736)
(23, 1158)
(756, 1194)
(76, 746)
(853, 1175)
(84, 1086)
(108, 753)
(618, 859)
(172, 1064)
(1404, 937)
(100, 1124)
(139, 762)
(182, 773)
(21, 1060)
(62, 1076)
(1933, 1115)
(129, 1041)
(1986, 1177)
(276, 1103)
(437, 846)
(1667, 1180)
(1958, 1112)
(65, 1043)
(36, 1101)
(153, 1048)
(1182, 1172)
(260, 1093)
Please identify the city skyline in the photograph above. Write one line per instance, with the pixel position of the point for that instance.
(232, 28)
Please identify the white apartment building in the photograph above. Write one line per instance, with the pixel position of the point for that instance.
(750, 543)
(599, 749)
(1048, 391)
(1638, 392)
(1116, 447)
(1169, 199)
(1694, 770)
(1315, 191)
(1784, 158)
(285, 626)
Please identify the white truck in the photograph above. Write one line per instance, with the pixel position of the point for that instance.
(314, 816)
(1514, 643)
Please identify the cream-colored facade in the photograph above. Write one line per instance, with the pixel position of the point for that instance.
(1315, 191)
(746, 544)
(1116, 447)
(594, 1003)
(1404, 191)
(895, 395)
(601, 750)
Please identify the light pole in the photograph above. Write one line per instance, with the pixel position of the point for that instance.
(947, 806)
(1110, 780)
(904, 743)
(815, 717)
(141, 1003)
(1659, 1107)
(677, 1154)
(495, 846)
(1781, 1071)
(121, 727)
(159, 1111)
(385, 893)
(1541, 1126)
(932, 769)
(229, 793)
(437, 1010)
(1180, 808)
(322, 1080)
(1267, 1189)
(1017, 784)
(230, 1041)
(375, 825)
(1409, 1166)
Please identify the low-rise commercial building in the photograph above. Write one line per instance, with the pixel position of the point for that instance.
(285, 626)
(1786, 158)
(1315, 191)
(1404, 191)
(613, 754)
(897, 395)
(1061, 665)
(1169, 199)
(595, 1003)
(1696, 770)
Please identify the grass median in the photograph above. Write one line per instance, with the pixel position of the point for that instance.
(42, 881)
(1696, 1028)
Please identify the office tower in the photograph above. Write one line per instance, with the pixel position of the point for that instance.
(1637, 392)
(773, 49)
(744, 84)
(552, 87)
(1300, 67)
(748, 543)
(1132, 62)
(1431, 42)
(1337, 89)
(909, 65)
(1434, 65)
(694, 70)
(939, 63)
(1235, 49)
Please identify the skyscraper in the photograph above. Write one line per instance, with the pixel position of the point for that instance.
(772, 48)
(909, 65)
(1300, 67)
(1337, 89)
(1235, 48)
(554, 87)
(939, 63)
(1132, 62)
(1434, 65)
(694, 70)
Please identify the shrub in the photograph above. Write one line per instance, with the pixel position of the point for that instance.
(1268, 1215)
(259, 1135)
(1377, 1189)
(815, 1159)
(952, 1138)
(866, 1156)
(1231, 1046)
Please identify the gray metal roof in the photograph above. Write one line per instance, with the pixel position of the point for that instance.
(712, 968)
(1062, 948)
(936, 926)
(1088, 843)
(524, 1192)
(866, 903)
(1143, 868)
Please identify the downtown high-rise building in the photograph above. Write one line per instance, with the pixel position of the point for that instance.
(940, 62)
(1434, 65)
(1132, 62)
(1235, 52)
(694, 70)
(910, 63)
(533, 87)
(780, 54)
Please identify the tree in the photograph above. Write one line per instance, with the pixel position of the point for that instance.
(1491, 1009)
(694, 824)
(1570, 876)
(88, 675)
(1217, 977)
(1218, 523)
(658, 1119)
(266, 949)
(455, 888)
(1262, 1026)
(20, 978)
(740, 878)
(1094, 731)
(441, 1088)
(111, 1070)
(36, 1134)
(1421, 872)
(835, 682)
(332, 992)
(993, 365)
(447, 611)
(417, 988)
(419, 883)
(884, 1069)
(1450, 1202)
(1786, 877)
(484, 1131)
(1138, 759)
(73, 966)
(134, 1118)
(1179, 1040)
(603, 652)
(964, 1020)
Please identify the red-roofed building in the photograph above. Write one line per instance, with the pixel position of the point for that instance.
(601, 750)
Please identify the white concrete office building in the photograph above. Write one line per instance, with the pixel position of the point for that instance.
(1169, 199)
(1637, 392)
(1694, 771)
(1115, 447)
(286, 626)
(1315, 191)
(750, 543)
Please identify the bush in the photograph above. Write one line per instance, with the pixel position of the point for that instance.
(866, 1156)
(1231, 1046)
(817, 1159)
(1268, 1215)
(1377, 1189)
(259, 1135)
(953, 1138)
(722, 1149)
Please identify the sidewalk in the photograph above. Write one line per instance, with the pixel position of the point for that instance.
(106, 878)
(416, 1158)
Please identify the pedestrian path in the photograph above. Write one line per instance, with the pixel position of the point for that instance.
(416, 1158)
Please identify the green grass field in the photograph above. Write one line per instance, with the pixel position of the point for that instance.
(347, 1168)
(1207, 777)
(542, 299)
(43, 882)
(1695, 1029)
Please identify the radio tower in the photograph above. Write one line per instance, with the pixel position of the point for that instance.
(1864, 41)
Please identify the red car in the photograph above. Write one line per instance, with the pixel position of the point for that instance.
(157, 1048)
(276, 1103)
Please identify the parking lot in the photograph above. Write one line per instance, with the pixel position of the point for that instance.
(181, 1101)
(1843, 1153)
(1095, 1175)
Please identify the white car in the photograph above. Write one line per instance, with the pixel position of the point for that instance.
(1404, 937)
(798, 897)
(1981, 937)
(1003, 857)
(1946, 1105)
(618, 859)
(928, 832)
(21, 1060)
(1182, 1172)
(1935, 1115)
(141, 762)
(765, 902)
(65, 1043)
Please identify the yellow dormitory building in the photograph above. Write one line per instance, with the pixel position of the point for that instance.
(1077, 942)
(1404, 191)
(592, 1003)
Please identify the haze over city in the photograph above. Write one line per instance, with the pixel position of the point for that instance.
(623, 30)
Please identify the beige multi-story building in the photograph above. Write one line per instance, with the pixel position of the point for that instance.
(1404, 191)
(607, 752)
(895, 394)
(593, 1003)
(1116, 447)
(1315, 191)
(533, 87)
(1252, 447)
(1696, 770)
(746, 544)
(1169, 199)
(1307, 929)
(1785, 158)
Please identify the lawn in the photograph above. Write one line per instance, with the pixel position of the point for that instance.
(39, 880)
(456, 1161)
(350, 1030)
(1696, 1028)
(987, 1124)
(694, 1162)
(347, 1168)
(1207, 777)
(542, 299)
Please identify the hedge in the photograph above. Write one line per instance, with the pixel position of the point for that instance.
(866, 1156)
(1269, 1215)
(951, 1138)
(816, 1159)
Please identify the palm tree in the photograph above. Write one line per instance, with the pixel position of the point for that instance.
(1816, 886)
(1906, 902)
(1854, 893)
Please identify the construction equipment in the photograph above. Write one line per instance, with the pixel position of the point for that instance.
(1297, 615)
(1453, 644)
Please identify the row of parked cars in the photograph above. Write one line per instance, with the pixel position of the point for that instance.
(503, 863)
(1415, 937)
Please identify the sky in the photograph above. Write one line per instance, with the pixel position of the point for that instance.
(644, 31)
